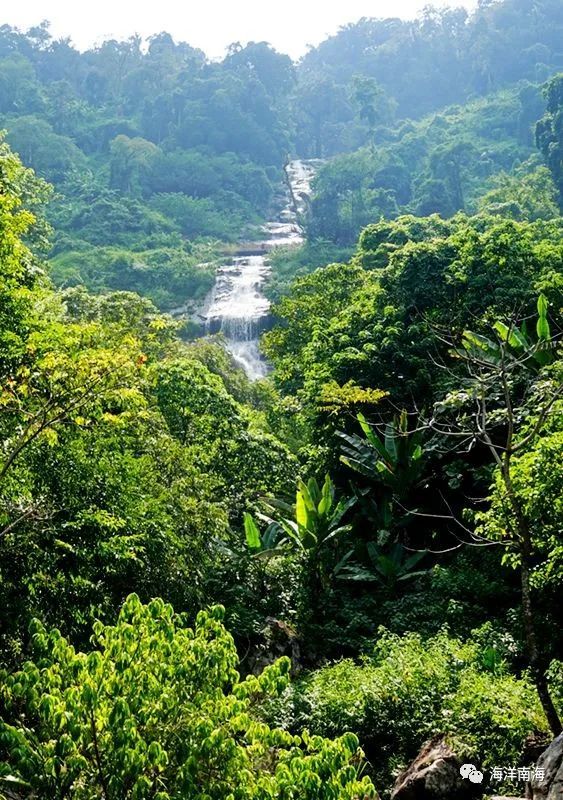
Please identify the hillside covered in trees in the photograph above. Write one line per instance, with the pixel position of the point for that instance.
(213, 588)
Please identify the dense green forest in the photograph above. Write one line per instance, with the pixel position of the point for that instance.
(213, 588)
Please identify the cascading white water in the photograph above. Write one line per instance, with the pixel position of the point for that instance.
(237, 308)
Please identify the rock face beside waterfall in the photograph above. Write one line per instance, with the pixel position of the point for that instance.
(237, 307)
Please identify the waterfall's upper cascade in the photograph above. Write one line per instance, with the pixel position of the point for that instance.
(237, 308)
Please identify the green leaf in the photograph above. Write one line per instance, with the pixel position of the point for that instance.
(372, 438)
(512, 336)
(327, 497)
(337, 532)
(301, 513)
(252, 532)
(12, 779)
(413, 560)
(542, 326)
(314, 492)
(474, 341)
(342, 508)
(307, 499)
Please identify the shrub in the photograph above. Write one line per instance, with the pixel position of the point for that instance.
(157, 710)
(409, 689)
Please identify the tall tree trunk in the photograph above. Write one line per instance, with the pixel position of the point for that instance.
(536, 666)
(525, 541)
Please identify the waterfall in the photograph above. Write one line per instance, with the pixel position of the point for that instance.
(237, 308)
(240, 311)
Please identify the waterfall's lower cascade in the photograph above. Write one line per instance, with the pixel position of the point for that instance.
(240, 311)
(237, 307)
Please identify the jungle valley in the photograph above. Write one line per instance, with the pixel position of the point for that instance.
(281, 414)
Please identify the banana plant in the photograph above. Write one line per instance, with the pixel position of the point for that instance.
(266, 543)
(312, 525)
(315, 519)
(386, 567)
(395, 460)
(515, 344)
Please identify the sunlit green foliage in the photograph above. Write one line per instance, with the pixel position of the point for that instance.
(522, 196)
(414, 369)
(375, 320)
(157, 710)
(409, 689)
(224, 437)
(147, 150)
(537, 481)
(100, 492)
(443, 57)
(441, 164)
(21, 193)
(167, 276)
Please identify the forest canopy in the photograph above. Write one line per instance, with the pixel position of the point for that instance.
(230, 589)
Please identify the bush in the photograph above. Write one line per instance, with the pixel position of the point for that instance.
(221, 218)
(409, 689)
(157, 710)
(167, 276)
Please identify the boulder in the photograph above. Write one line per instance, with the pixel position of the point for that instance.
(278, 639)
(435, 775)
(505, 797)
(550, 763)
(534, 747)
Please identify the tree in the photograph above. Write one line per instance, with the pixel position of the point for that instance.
(20, 193)
(157, 710)
(73, 372)
(447, 163)
(512, 389)
(314, 301)
(90, 493)
(317, 99)
(549, 132)
(537, 482)
(93, 488)
(373, 321)
(54, 157)
(374, 107)
(20, 91)
(529, 196)
(224, 437)
(129, 158)
(274, 70)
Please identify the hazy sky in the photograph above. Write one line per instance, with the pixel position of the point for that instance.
(290, 25)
